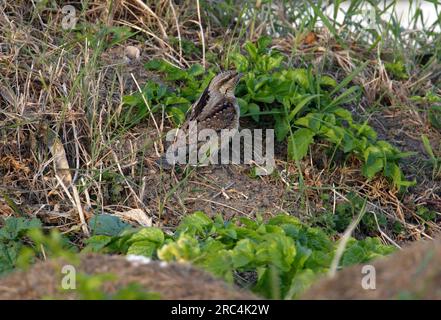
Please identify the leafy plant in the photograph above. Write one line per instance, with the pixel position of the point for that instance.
(285, 254)
(397, 69)
(426, 214)
(435, 161)
(345, 213)
(12, 237)
(22, 241)
(305, 107)
(155, 96)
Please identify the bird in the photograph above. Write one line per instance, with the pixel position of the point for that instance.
(216, 108)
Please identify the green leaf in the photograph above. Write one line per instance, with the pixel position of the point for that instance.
(312, 121)
(374, 162)
(264, 96)
(243, 253)
(299, 106)
(105, 224)
(274, 62)
(263, 43)
(196, 70)
(175, 100)
(185, 248)
(278, 250)
(16, 227)
(299, 142)
(240, 62)
(254, 110)
(177, 114)
(152, 234)
(300, 282)
(328, 81)
(143, 248)
(155, 64)
(220, 264)
(243, 105)
(197, 222)
(300, 76)
(252, 50)
(96, 243)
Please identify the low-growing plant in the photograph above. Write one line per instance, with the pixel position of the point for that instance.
(12, 240)
(345, 213)
(305, 107)
(285, 254)
(435, 161)
(22, 241)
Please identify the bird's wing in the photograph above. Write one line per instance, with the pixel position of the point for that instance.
(221, 116)
(199, 105)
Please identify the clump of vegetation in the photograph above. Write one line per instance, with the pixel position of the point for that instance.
(305, 107)
(12, 240)
(285, 254)
(22, 241)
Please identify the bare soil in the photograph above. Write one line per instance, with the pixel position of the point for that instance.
(413, 273)
(172, 281)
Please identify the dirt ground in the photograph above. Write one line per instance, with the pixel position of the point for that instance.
(171, 281)
(413, 273)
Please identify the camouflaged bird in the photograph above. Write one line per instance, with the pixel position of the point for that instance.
(216, 109)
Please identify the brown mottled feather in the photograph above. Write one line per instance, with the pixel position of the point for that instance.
(215, 109)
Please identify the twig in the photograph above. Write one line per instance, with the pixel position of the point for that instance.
(220, 204)
(202, 33)
(150, 11)
(177, 29)
(76, 202)
(344, 240)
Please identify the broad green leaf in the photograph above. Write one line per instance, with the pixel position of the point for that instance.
(142, 248)
(105, 224)
(243, 253)
(299, 142)
(152, 234)
(15, 227)
(281, 128)
(175, 100)
(299, 106)
(184, 249)
(252, 50)
(328, 81)
(243, 105)
(264, 96)
(178, 115)
(196, 70)
(254, 110)
(300, 76)
(197, 222)
(374, 162)
(96, 243)
(263, 43)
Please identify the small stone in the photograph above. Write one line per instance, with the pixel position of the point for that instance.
(132, 53)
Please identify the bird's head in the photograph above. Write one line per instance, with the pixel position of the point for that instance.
(225, 82)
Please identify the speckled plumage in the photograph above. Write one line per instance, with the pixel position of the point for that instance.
(216, 108)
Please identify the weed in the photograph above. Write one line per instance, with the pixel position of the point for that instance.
(304, 107)
(285, 254)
